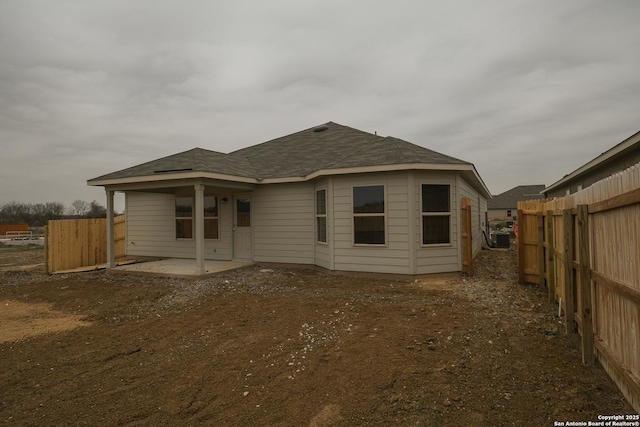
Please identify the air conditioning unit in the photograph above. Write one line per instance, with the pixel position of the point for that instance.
(500, 240)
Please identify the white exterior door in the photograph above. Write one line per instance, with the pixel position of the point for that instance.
(242, 238)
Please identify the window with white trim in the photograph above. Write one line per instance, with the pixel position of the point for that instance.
(369, 215)
(211, 217)
(184, 217)
(436, 214)
(321, 216)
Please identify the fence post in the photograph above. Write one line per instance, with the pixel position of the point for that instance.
(46, 249)
(540, 249)
(520, 237)
(569, 307)
(588, 356)
(551, 250)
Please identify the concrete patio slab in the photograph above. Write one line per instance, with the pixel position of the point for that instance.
(175, 267)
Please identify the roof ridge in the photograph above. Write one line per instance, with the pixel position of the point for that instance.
(274, 139)
(300, 132)
(255, 170)
(395, 141)
(377, 138)
(413, 146)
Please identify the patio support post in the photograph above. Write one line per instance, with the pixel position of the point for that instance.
(111, 257)
(199, 229)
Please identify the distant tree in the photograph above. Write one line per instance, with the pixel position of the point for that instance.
(34, 214)
(15, 212)
(38, 215)
(79, 207)
(96, 210)
(55, 210)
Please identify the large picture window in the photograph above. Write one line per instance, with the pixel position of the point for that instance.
(321, 216)
(369, 215)
(436, 214)
(184, 217)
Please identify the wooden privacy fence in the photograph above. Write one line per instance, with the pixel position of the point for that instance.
(78, 243)
(585, 248)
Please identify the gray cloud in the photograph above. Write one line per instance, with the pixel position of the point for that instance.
(527, 90)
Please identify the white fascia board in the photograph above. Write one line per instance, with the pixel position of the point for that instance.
(170, 177)
(174, 179)
(387, 168)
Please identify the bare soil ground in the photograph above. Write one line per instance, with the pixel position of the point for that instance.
(273, 346)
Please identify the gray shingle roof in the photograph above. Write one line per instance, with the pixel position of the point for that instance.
(329, 146)
(196, 159)
(510, 198)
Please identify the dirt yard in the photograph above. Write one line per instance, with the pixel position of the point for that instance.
(272, 346)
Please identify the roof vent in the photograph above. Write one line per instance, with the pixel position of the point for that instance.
(173, 170)
(320, 129)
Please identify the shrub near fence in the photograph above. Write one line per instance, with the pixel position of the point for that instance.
(585, 248)
(78, 243)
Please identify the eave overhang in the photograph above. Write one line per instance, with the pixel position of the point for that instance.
(172, 179)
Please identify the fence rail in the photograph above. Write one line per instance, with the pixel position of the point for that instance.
(585, 249)
(19, 235)
(76, 243)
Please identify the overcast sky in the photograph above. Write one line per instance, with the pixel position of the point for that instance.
(527, 90)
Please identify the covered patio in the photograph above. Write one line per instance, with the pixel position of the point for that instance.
(175, 267)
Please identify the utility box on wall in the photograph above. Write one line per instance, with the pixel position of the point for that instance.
(501, 240)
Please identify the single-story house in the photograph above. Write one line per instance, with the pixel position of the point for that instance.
(504, 206)
(616, 159)
(330, 196)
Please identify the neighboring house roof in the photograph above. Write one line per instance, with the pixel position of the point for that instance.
(613, 153)
(324, 149)
(510, 198)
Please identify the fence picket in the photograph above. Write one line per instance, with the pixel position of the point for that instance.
(607, 247)
(74, 243)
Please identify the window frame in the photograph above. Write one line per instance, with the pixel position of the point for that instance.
(383, 214)
(448, 214)
(319, 215)
(192, 217)
(217, 217)
(176, 217)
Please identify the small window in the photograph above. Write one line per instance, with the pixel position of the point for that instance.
(321, 216)
(508, 213)
(243, 212)
(210, 217)
(436, 214)
(184, 217)
(368, 215)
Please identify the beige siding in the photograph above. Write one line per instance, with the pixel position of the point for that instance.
(151, 229)
(437, 258)
(323, 252)
(283, 223)
(394, 256)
